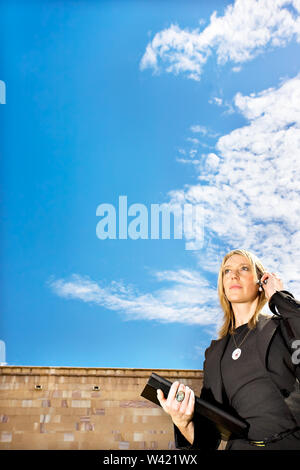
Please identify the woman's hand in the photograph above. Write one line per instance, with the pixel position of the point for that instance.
(274, 283)
(181, 412)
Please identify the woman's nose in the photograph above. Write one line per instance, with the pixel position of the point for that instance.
(234, 273)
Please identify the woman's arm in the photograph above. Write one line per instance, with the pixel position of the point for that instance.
(188, 433)
(283, 304)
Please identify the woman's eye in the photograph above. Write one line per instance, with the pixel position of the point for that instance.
(245, 267)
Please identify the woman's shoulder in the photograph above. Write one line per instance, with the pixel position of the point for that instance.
(263, 318)
(213, 344)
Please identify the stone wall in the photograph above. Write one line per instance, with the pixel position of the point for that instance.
(84, 408)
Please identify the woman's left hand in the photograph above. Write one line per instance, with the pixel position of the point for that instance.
(274, 283)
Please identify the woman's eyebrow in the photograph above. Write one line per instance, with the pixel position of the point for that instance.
(229, 265)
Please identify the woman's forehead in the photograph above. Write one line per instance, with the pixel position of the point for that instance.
(236, 260)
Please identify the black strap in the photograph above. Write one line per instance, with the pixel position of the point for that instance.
(274, 438)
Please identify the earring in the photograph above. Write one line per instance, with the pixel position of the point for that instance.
(260, 285)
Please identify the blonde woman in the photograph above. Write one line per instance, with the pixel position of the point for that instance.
(249, 370)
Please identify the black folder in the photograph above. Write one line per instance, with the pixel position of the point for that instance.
(226, 423)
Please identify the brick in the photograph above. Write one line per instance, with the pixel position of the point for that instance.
(98, 411)
(85, 419)
(6, 436)
(136, 404)
(138, 436)
(84, 427)
(123, 445)
(6, 386)
(46, 403)
(80, 403)
(27, 403)
(45, 418)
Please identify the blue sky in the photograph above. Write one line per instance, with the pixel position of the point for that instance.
(163, 102)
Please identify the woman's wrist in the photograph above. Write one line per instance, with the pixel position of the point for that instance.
(187, 430)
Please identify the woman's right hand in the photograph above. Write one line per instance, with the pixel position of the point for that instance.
(181, 412)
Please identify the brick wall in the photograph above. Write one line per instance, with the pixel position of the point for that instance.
(61, 408)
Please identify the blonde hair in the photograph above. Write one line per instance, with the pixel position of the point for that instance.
(228, 317)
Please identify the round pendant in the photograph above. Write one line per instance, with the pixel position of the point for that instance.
(236, 354)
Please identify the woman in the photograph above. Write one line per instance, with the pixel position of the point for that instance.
(249, 370)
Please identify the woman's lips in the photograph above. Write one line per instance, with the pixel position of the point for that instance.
(235, 287)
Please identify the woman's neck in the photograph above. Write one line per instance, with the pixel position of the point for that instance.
(243, 312)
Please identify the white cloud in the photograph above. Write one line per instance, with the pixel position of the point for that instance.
(217, 101)
(185, 160)
(243, 32)
(252, 196)
(189, 299)
(203, 130)
(213, 161)
(193, 140)
(236, 69)
(220, 102)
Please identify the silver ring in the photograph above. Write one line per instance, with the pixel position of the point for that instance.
(180, 396)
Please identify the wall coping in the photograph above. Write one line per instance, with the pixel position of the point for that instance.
(99, 371)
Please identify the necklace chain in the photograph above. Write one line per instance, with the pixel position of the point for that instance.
(238, 346)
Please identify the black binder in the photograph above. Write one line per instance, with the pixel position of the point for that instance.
(226, 423)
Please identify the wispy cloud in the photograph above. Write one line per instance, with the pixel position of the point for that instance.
(222, 103)
(243, 32)
(203, 130)
(189, 299)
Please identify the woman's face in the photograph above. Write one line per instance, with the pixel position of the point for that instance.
(238, 280)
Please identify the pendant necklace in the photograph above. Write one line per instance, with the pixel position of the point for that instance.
(237, 352)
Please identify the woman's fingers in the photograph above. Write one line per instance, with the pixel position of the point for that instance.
(182, 411)
(166, 403)
(172, 400)
(160, 396)
(187, 406)
(265, 277)
(191, 404)
(173, 391)
(271, 283)
(270, 276)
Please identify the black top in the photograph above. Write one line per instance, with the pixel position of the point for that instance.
(251, 391)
